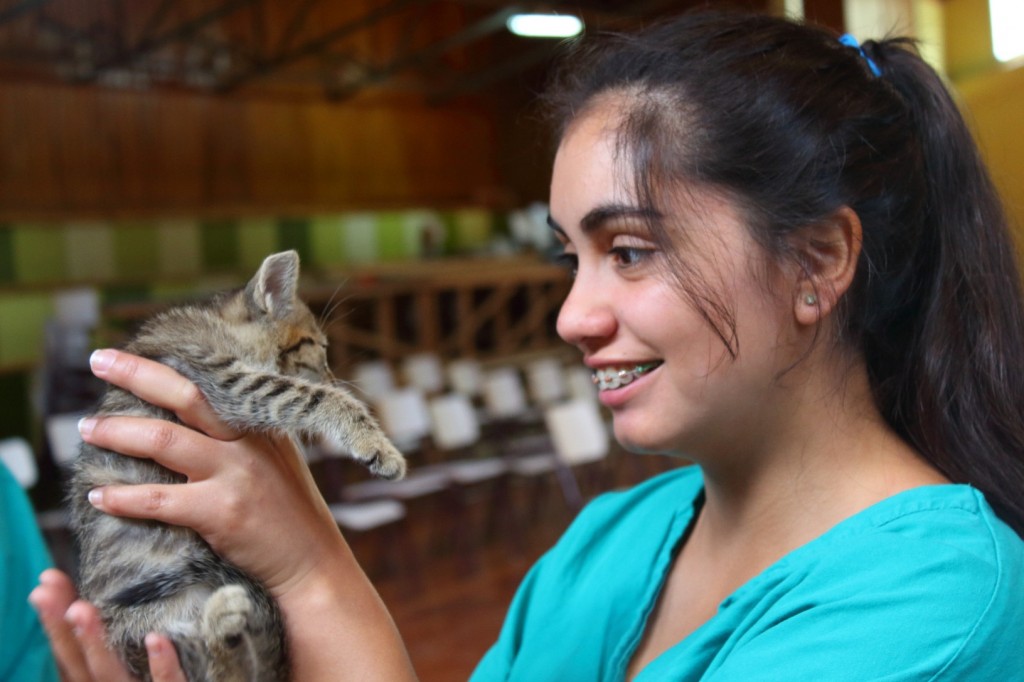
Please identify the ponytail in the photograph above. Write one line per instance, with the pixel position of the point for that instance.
(957, 391)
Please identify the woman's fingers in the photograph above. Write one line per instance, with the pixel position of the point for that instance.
(177, 447)
(51, 600)
(163, 660)
(160, 385)
(177, 505)
(101, 661)
(76, 633)
(78, 639)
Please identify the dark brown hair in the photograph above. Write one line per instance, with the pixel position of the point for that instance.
(793, 125)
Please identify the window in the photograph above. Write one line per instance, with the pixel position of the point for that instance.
(1007, 29)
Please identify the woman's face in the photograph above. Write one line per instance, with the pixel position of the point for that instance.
(663, 371)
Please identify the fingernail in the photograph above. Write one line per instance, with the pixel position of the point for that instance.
(96, 497)
(86, 425)
(153, 645)
(74, 621)
(101, 360)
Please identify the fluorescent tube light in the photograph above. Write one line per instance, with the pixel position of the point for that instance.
(544, 25)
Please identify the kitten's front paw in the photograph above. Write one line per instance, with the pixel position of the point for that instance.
(388, 463)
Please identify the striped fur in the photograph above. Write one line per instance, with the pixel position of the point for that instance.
(259, 357)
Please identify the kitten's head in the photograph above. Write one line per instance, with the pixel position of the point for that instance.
(271, 312)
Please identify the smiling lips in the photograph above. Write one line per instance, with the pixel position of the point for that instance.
(608, 378)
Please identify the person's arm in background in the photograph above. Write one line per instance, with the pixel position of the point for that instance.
(24, 652)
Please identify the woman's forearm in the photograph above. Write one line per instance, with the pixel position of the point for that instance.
(339, 628)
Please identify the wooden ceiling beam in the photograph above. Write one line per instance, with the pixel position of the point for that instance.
(20, 8)
(481, 29)
(183, 32)
(313, 47)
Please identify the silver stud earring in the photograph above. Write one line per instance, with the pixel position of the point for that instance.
(811, 299)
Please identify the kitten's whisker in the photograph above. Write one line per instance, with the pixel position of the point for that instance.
(332, 305)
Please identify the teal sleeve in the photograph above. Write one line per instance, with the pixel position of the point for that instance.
(24, 650)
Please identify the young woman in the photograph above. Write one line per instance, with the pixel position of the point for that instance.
(791, 267)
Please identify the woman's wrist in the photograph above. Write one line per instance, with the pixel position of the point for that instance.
(339, 628)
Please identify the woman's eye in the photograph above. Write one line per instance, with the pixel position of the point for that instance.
(567, 261)
(630, 255)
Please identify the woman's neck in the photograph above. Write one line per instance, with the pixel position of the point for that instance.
(831, 457)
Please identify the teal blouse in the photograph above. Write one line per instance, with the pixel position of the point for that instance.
(925, 585)
(24, 649)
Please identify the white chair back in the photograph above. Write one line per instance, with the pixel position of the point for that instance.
(63, 436)
(577, 431)
(580, 383)
(424, 371)
(404, 416)
(77, 307)
(504, 395)
(465, 376)
(373, 378)
(16, 454)
(546, 381)
(453, 421)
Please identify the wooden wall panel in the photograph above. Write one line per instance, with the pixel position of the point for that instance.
(77, 152)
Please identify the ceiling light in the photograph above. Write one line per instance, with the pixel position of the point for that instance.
(544, 25)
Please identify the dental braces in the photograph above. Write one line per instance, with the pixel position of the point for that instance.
(604, 380)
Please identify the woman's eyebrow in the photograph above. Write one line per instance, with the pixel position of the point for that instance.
(597, 217)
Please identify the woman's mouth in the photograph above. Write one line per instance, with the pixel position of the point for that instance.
(609, 378)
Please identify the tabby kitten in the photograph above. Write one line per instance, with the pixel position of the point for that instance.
(259, 358)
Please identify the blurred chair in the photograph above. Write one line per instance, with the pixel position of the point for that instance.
(373, 379)
(455, 431)
(580, 383)
(63, 437)
(16, 454)
(465, 376)
(504, 394)
(405, 418)
(382, 523)
(424, 371)
(545, 381)
(581, 441)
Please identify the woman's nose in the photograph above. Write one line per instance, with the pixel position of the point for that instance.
(586, 315)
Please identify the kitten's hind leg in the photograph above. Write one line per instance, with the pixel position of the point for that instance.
(225, 629)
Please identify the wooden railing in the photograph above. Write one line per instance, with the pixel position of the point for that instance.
(456, 308)
(485, 308)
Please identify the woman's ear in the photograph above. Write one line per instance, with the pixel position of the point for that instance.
(827, 252)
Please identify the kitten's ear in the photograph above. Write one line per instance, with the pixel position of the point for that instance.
(274, 289)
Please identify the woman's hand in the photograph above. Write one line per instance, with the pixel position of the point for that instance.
(250, 496)
(78, 639)
(254, 500)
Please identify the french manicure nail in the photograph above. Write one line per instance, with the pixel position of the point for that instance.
(86, 425)
(96, 497)
(101, 360)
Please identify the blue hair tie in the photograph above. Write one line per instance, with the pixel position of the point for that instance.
(850, 41)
